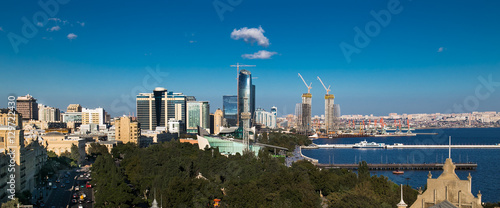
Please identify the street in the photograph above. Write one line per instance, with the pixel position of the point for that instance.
(65, 186)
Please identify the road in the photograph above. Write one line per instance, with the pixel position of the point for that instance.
(88, 202)
(61, 196)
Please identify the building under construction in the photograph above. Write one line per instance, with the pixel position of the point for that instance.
(329, 113)
(306, 112)
(329, 109)
(306, 108)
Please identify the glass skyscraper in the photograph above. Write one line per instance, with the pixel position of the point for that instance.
(230, 109)
(245, 90)
(198, 114)
(155, 109)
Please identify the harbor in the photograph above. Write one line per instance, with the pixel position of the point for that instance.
(384, 167)
(364, 144)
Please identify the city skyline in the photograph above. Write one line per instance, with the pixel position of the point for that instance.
(417, 63)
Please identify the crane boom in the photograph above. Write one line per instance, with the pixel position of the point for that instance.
(238, 67)
(327, 89)
(308, 86)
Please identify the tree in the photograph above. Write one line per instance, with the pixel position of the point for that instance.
(51, 154)
(97, 149)
(363, 171)
(75, 153)
(11, 203)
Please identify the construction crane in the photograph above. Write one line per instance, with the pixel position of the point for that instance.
(327, 89)
(308, 86)
(238, 67)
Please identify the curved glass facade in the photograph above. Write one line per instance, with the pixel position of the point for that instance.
(244, 91)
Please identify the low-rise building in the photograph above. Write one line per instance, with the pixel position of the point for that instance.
(60, 143)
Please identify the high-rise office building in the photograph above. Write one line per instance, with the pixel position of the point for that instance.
(329, 112)
(49, 114)
(246, 96)
(230, 109)
(306, 112)
(27, 107)
(198, 114)
(73, 108)
(155, 109)
(274, 111)
(127, 130)
(266, 119)
(93, 116)
(337, 113)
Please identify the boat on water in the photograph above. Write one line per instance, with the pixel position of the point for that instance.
(365, 144)
(398, 172)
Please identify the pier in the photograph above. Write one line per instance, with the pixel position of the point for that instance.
(403, 146)
(424, 166)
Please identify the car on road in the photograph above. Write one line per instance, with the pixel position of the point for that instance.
(54, 187)
(74, 201)
(62, 185)
(57, 181)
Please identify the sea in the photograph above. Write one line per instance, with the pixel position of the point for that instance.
(486, 178)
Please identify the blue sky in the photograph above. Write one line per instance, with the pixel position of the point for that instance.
(427, 58)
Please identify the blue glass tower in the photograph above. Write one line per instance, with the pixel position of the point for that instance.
(245, 91)
(230, 109)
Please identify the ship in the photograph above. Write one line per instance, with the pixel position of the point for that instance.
(365, 144)
(398, 172)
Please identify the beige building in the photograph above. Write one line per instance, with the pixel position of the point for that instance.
(48, 114)
(27, 107)
(448, 191)
(27, 156)
(218, 116)
(127, 130)
(60, 143)
(4, 176)
(93, 116)
(108, 144)
(73, 108)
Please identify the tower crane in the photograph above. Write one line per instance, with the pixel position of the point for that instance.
(308, 86)
(238, 67)
(327, 89)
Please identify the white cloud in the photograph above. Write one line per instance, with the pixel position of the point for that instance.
(55, 28)
(192, 41)
(81, 23)
(72, 36)
(441, 49)
(39, 24)
(262, 54)
(251, 35)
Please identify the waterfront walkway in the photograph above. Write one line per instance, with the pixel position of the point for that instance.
(404, 146)
(424, 166)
